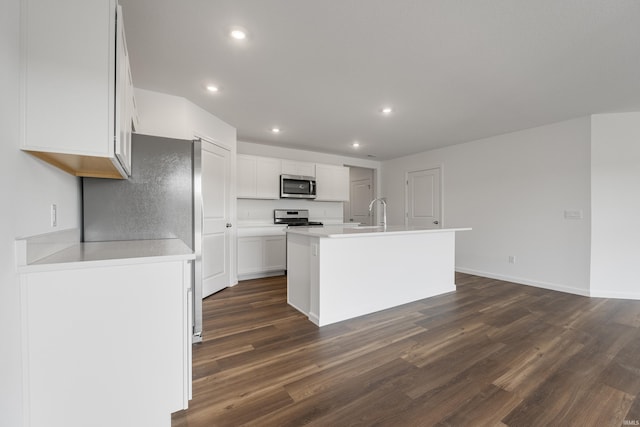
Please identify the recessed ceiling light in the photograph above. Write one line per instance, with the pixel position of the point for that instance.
(275, 130)
(238, 33)
(213, 88)
(355, 144)
(387, 110)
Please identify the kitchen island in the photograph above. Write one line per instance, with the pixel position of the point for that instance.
(337, 273)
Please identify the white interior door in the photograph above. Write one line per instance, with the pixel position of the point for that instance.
(423, 199)
(216, 204)
(361, 194)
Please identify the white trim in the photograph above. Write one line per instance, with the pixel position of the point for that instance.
(214, 141)
(249, 276)
(314, 318)
(603, 293)
(24, 359)
(296, 307)
(523, 281)
(440, 167)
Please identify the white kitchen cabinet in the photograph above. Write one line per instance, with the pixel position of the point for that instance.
(332, 183)
(125, 102)
(75, 106)
(106, 337)
(275, 253)
(250, 255)
(258, 177)
(245, 177)
(291, 167)
(261, 256)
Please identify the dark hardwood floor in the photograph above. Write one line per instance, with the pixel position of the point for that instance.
(491, 353)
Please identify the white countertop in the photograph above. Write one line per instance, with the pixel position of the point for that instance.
(95, 254)
(261, 230)
(373, 231)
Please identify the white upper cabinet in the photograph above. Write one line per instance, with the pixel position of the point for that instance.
(76, 103)
(290, 167)
(268, 178)
(332, 183)
(258, 177)
(125, 104)
(245, 177)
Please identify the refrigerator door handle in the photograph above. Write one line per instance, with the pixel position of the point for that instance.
(198, 216)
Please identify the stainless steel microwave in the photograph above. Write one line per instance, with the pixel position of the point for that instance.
(297, 187)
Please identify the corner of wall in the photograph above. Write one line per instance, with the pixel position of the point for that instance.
(162, 114)
(615, 174)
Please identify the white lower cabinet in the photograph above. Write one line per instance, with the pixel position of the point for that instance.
(275, 253)
(106, 346)
(250, 255)
(261, 256)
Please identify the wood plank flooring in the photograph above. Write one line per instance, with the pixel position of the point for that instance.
(492, 353)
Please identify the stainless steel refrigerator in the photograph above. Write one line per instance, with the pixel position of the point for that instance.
(162, 199)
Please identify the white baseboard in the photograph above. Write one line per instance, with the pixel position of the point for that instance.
(523, 281)
(603, 293)
(260, 275)
(314, 319)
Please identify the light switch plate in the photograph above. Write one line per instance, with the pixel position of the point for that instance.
(54, 215)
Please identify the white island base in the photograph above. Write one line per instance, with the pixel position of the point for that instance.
(338, 273)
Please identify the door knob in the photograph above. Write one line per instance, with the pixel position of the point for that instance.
(436, 222)
(229, 225)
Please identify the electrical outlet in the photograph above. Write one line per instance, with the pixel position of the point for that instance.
(54, 215)
(512, 259)
(573, 214)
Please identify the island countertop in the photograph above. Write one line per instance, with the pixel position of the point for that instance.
(340, 231)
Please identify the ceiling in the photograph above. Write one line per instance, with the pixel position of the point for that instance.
(452, 70)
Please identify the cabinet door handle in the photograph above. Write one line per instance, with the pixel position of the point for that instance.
(436, 222)
(229, 225)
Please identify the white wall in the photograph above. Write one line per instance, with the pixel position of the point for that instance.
(615, 205)
(162, 115)
(513, 190)
(28, 187)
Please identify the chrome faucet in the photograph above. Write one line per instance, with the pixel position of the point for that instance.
(382, 200)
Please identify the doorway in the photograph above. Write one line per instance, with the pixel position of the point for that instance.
(216, 203)
(423, 198)
(361, 192)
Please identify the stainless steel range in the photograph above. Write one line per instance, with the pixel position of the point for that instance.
(293, 218)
